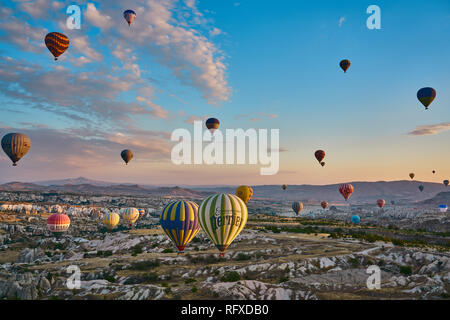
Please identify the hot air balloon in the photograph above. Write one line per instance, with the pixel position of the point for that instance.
(392, 202)
(421, 187)
(15, 145)
(426, 96)
(56, 43)
(345, 64)
(129, 16)
(179, 220)
(412, 175)
(322, 163)
(324, 204)
(356, 219)
(310, 215)
(58, 223)
(320, 155)
(130, 215)
(141, 212)
(126, 155)
(433, 171)
(222, 217)
(111, 219)
(443, 207)
(346, 190)
(212, 124)
(381, 202)
(245, 193)
(297, 207)
(445, 182)
(284, 187)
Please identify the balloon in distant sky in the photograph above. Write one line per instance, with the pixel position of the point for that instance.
(346, 190)
(446, 182)
(212, 124)
(297, 207)
(111, 219)
(129, 16)
(320, 155)
(56, 43)
(324, 204)
(356, 219)
(129, 215)
(381, 202)
(58, 223)
(15, 145)
(421, 187)
(126, 155)
(284, 187)
(345, 64)
(322, 163)
(426, 96)
(433, 172)
(179, 220)
(443, 207)
(245, 193)
(412, 175)
(222, 217)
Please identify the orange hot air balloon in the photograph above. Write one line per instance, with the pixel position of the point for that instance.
(58, 223)
(381, 202)
(324, 204)
(346, 190)
(57, 43)
(320, 155)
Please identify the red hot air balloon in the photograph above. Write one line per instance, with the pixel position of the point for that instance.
(381, 202)
(58, 223)
(346, 190)
(320, 155)
(57, 43)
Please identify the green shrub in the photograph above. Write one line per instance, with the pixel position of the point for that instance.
(406, 270)
(231, 276)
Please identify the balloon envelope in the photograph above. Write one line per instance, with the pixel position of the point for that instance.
(222, 217)
(15, 145)
(297, 207)
(179, 220)
(346, 190)
(284, 187)
(245, 193)
(412, 175)
(320, 155)
(129, 16)
(58, 223)
(57, 43)
(324, 204)
(212, 124)
(445, 182)
(421, 187)
(111, 219)
(126, 155)
(356, 219)
(381, 203)
(426, 96)
(344, 64)
(130, 215)
(443, 207)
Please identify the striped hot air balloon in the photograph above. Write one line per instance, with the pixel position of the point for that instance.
(111, 219)
(222, 217)
(212, 124)
(58, 223)
(179, 220)
(126, 155)
(297, 207)
(130, 215)
(56, 43)
(381, 203)
(346, 190)
(129, 16)
(426, 96)
(15, 145)
(245, 193)
(344, 64)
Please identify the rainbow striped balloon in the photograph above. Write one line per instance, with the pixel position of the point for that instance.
(57, 43)
(179, 220)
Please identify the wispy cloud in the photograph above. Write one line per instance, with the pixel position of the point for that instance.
(430, 129)
(341, 21)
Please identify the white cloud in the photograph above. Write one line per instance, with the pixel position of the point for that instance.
(341, 21)
(430, 129)
(96, 18)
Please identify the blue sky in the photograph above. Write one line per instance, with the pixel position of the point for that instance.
(252, 64)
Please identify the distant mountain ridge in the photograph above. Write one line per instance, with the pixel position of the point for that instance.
(75, 181)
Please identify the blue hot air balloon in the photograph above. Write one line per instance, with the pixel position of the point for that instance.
(356, 219)
(426, 96)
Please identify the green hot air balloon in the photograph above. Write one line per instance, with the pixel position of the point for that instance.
(222, 217)
(16, 145)
(126, 155)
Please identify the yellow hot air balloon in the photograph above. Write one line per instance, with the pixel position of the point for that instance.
(222, 217)
(16, 145)
(111, 219)
(130, 215)
(245, 193)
